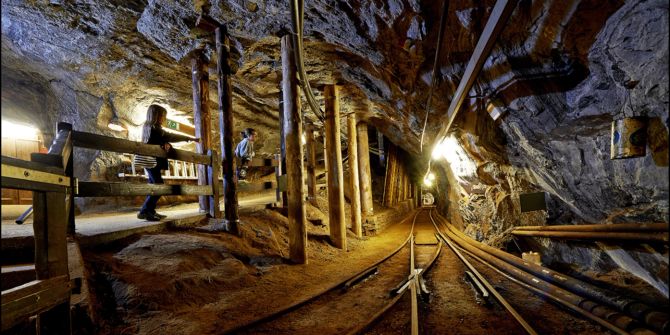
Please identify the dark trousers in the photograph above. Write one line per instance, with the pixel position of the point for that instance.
(149, 206)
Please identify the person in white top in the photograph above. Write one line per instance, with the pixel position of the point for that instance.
(245, 152)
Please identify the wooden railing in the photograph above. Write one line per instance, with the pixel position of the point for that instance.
(180, 170)
(47, 297)
(50, 177)
(108, 189)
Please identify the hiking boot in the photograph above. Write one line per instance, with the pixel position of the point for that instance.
(160, 215)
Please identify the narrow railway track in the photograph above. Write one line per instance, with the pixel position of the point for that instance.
(393, 296)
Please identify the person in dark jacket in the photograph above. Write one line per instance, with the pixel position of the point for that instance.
(245, 152)
(153, 133)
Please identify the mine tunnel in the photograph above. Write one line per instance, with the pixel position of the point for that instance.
(335, 167)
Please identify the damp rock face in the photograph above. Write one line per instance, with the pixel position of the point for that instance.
(557, 77)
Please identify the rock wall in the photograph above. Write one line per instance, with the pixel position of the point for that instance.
(559, 143)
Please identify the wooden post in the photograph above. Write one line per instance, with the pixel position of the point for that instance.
(292, 126)
(338, 228)
(357, 225)
(201, 118)
(226, 127)
(380, 145)
(278, 173)
(390, 180)
(212, 174)
(50, 212)
(364, 170)
(311, 164)
(282, 146)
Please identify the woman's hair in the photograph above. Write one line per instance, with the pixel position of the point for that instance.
(155, 114)
(247, 132)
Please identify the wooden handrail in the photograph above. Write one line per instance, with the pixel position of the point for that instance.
(101, 142)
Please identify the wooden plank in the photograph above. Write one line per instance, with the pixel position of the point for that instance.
(32, 287)
(201, 117)
(56, 232)
(255, 187)
(292, 125)
(215, 186)
(281, 185)
(33, 298)
(356, 222)
(21, 184)
(501, 12)
(257, 162)
(338, 228)
(310, 145)
(40, 220)
(61, 146)
(224, 72)
(106, 143)
(364, 170)
(37, 166)
(103, 189)
(31, 175)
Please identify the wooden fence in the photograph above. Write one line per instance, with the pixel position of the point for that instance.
(47, 297)
(50, 177)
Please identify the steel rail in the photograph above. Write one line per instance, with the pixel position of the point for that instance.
(365, 326)
(616, 227)
(349, 281)
(414, 316)
(656, 320)
(483, 280)
(597, 235)
(369, 269)
(541, 293)
(621, 320)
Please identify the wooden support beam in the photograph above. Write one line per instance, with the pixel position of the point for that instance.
(364, 171)
(50, 225)
(224, 72)
(338, 228)
(311, 163)
(501, 12)
(201, 117)
(354, 182)
(389, 180)
(213, 182)
(380, 147)
(292, 125)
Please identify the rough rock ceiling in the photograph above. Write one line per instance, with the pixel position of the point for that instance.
(126, 54)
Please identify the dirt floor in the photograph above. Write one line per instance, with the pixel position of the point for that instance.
(196, 282)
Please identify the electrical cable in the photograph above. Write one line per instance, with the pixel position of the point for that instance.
(297, 13)
(445, 9)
